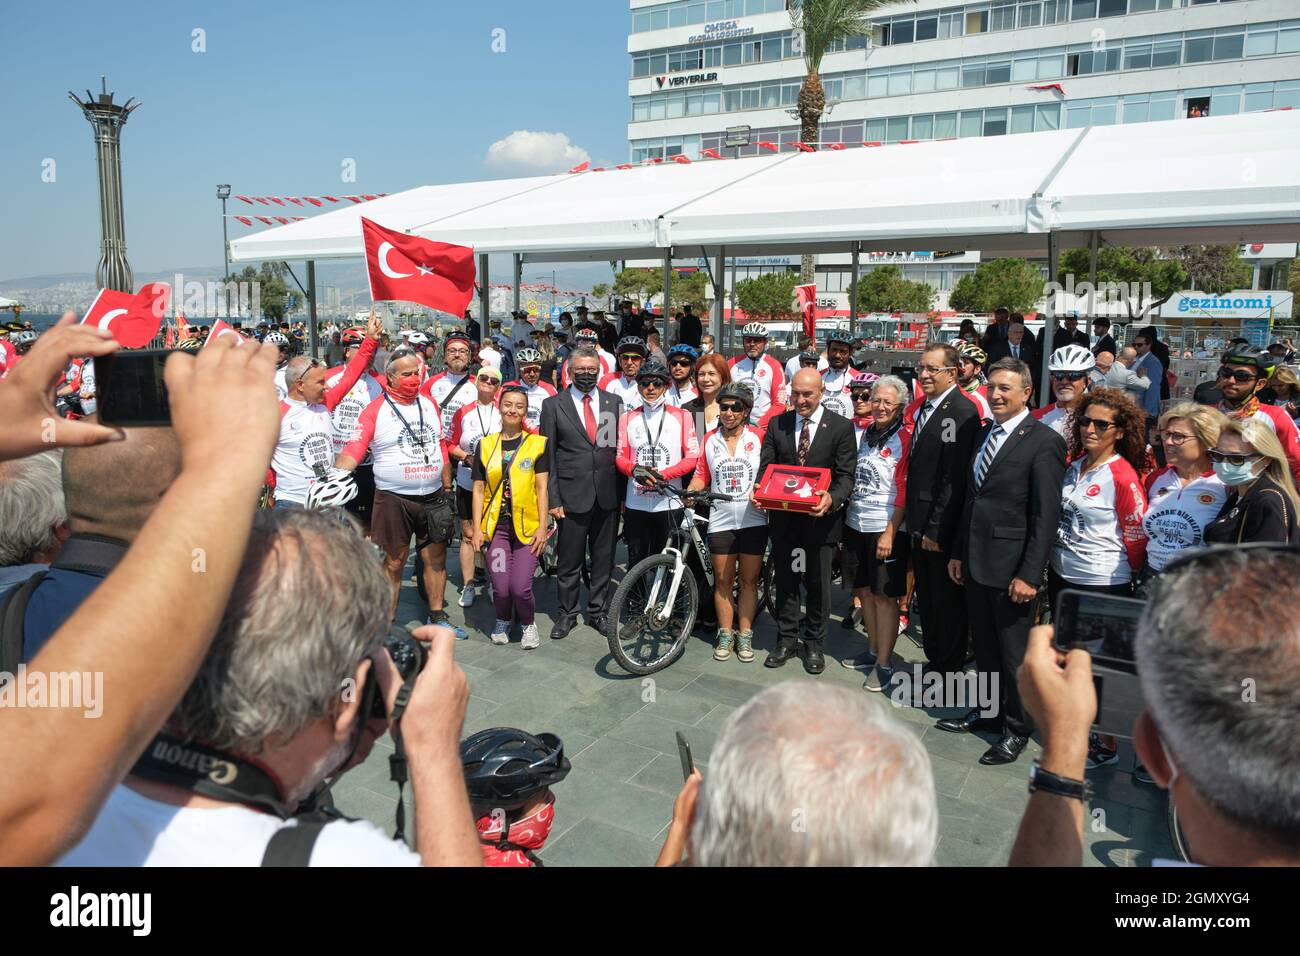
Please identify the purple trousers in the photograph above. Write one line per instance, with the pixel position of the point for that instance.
(511, 565)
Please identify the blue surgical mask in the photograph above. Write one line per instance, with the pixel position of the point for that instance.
(1231, 474)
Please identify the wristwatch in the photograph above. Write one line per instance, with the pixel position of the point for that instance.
(1048, 782)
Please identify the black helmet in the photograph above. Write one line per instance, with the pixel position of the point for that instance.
(809, 359)
(1252, 357)
(504, 766)
(631, 343)
(653, 369)
(738, 391)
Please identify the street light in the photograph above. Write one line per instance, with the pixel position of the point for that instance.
(737, 136)
(223, 193)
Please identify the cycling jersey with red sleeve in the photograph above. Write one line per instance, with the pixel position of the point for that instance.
(624, 388)
(1059, 419)
(304, 451)
(1276, 418)
(734, 475)
(338, 386)
(766, 379)
(471, 424)
(981, 399)
(400, 437)
(1100, 539)
(665, 441)
(877, 480)
(679, 394)
(835, 390)
(1177, 514)
(449, 392)
(344, 417)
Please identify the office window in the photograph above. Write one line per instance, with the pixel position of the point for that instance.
(1112, 8)
(1165, 53)
(1164, 106)
(771, 95)
(1047, 116)
(751, 51)
(997, 72)
(977, 22)
(1136, 109)
(750, 98)
(971, 123)
(730, 101)
(731, 54)
(927, 28)
(1226, 101)
(675, 105)
(855, 86)
(1003, 17)
(995, 122)
(1025, 68)
(1050, 67)
(715, 10)
(1198, 49)
(659, 19)
(1229, 46)
(877, 84)
(902, 31)
(1288, 41)
(1056, 11)
(945, 125)
(713, 56)
(923, 81)
(676, 15)
(1104, 111)
(1287, 94)
(896, 129)
(658, 63)
(1078, 115)
(695, 13)
(900, 83)
(1137, 56)
(972, 75)
(875, 131)
(834, 90)
(640, 110)
(658, 108)
(1031, 14)
(1259, 97)
(1083, 9)
(950, 25)
(641, 21)
(1022, 119)
(947, 77)
(674, 62)
(923, 127)
(771, 49)
(712, 102)
(789, 94)
(1261, 44)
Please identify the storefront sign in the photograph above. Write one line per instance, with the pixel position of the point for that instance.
(722, 30)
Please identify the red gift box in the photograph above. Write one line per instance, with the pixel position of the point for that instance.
(791, 487)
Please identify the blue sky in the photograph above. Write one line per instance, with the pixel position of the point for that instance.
(284, 93)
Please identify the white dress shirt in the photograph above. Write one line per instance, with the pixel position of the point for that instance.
(1004, 430)
(923, 416)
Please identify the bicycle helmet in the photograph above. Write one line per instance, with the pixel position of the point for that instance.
(333, 492)
(24, 339)
(652, 370)
(352, 336)
(278, 339)
(681, 348)
(631, 343)
(754, 330)
(527, 357)
(973, 353)
(1253, 358)
(586, 336)
(738, 391)
(1071, 358)
(189, 345)
(418, 339)
(840, 336)
(809, 359)
(505, 766)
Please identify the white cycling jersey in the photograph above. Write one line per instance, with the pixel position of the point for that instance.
(835, 390)
(470, 426)
(536, 395)
(876, 481)
(624, 388)
(735, 475)
(1177, 514)
(662, 439)
(405, 442)
(766, 379)
(449, 392)
(1100, 539)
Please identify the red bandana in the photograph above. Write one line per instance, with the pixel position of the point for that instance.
(526, 833)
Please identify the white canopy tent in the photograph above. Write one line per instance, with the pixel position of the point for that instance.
(7, 303)
(1222, 179)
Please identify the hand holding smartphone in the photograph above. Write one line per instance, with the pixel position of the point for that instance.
(132, 393)
(684, 751)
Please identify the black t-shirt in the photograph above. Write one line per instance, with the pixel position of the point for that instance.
(508, 448)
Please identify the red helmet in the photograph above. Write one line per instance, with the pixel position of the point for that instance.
(353, 336)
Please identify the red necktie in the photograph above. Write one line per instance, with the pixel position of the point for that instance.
(589, 418)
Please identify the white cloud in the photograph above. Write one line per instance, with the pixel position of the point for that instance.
(535, 153)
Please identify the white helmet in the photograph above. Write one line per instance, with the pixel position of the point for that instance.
(1071, 358)
(334, 492)
(277, 338)
(527, 357)
(755, 330)
(418, 339)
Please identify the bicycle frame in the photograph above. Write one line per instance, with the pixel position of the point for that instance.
(685, 529)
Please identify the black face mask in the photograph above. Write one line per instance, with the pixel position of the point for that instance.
(584, 380)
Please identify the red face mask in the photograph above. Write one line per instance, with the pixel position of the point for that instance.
(406, 388)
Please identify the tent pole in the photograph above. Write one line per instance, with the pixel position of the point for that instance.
(719, 290)
(668, 278)
(1092, 260)
(1049, 318)
(731, 328)
(484, 296)
(853, 290)
(312, 343)
(519, 272)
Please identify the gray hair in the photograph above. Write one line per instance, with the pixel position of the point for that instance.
(1015, 365)
(811, 775)
(584, 351)
(31, 507)
(310, 601)
(297, 367)
(894, 382)
(1218, 654)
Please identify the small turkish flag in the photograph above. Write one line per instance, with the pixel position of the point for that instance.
(406, 268)
(220, 328)
(807, 296)
(132, 319)
(581, 167)
(711, 153)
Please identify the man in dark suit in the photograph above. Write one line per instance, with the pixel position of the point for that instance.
(581, 429)
(802, 544)
(689, 329)
(1007, 530)
(945, 426)
(1018, 345)
(1105, 341)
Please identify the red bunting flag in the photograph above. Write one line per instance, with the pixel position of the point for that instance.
(280, 219)
(682, 158)
(295, 200)
(313, 200)
(261, 200)
(803, 147)
(875, 143)
(1049, 86)
(262, 219)
(405, 268)
(220, 328)
(581, 167)
(330, 198)
(768, 144)
(132, 319)
(807, 298)
(356, 199)
(711, 153)
(834, 145)
(277, 200)
(368, 197)
(245, 220)
(246, 199)
(623, 166)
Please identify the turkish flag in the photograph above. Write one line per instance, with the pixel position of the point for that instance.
(711, 153)
(132, 319)
(807, 297)
(220, 328)
(405, 268)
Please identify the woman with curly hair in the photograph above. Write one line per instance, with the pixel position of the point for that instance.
(1100, 545)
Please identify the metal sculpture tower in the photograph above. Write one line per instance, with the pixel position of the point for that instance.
(108, 118)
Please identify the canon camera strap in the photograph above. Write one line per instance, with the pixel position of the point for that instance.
(211, 773)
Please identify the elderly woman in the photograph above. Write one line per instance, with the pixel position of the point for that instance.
(872, 521)
(1262, 504)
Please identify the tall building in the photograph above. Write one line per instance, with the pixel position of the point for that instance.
(934, 69)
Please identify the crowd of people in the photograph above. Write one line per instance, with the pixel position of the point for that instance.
(957, 490)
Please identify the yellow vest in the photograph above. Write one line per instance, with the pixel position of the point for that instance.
(523, 486)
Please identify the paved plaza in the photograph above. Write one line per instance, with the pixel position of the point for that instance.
(619, 731)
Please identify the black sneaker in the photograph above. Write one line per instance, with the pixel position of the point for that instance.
(1099, 755)
(860, 662)
(878, 679)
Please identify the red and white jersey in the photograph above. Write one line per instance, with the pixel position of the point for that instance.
(877, 480)
(1276, 418)
(1100, 538)
(7, 355)
(366, 389)
(449, 394)
(86, 389)
(726, 474)
(470, 425)
(304, 451)
(1059, 419)
(405, 442)
(980, 396)
(679, 393)
(281, 389)
(766, 379)
(793, 366)
(624, 388)
(661, 438)
(835, 390)
(1177, 514)
(536, 395)
(607, 367)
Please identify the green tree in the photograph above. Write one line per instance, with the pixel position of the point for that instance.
(1156, 274)
(638, 284)
(600, 290)
(884, 289)
(689, 287)
(1293, 282)
(1011, 283)
(769, 295)
(272, 291)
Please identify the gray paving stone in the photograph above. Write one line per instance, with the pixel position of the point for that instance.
(658, 734)
(614, 758)
(664, 774)
(594, 843)
(598, 796)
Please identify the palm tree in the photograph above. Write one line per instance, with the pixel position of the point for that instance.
(822, 23)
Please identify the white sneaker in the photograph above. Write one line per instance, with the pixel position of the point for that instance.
(531, 637)
(501, 632)
(467, 596)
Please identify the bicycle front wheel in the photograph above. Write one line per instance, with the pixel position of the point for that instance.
(640, 639)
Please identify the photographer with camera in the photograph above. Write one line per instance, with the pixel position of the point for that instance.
(1226, 757)
(280, 704)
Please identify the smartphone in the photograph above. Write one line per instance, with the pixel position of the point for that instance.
(684, 751)
(1106, 627)
(132, 393)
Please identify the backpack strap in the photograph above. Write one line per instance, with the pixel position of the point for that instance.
(12, 614)
(292, 846)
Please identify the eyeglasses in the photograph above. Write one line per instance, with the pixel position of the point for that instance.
(631, 355)
(731, 407)
(652, 383)
(1222, 457)
(1176, 438)
(936, 369)
(751, 341)
(884, 403)
(1100, 424)
(1236, 374)
(1069, 376)
(489, 379)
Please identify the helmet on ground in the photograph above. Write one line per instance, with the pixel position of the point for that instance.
(1071, 358)
(505, 766)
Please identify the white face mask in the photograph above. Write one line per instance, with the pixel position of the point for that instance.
(656, 403)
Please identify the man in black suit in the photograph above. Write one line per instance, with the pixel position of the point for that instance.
(802, 544)
(581, 429)
(1105, 341)
(1007, 530)
(689, 329)
(945, 427)
(1019, 345)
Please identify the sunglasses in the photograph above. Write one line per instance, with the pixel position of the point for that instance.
(1236, 374)
(632, 355)
(652, 383)
(489, 379)
(686, 362)
(1221, 457)
(1069, 376)
(1174, 438)
(1100, 424)
(731, 407)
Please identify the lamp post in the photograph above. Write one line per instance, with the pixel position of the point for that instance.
(108, 118)
(223, 193)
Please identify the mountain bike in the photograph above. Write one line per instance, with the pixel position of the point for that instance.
(653, 610)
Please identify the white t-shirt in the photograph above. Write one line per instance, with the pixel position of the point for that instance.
(875, 483)
(281, 389)
(726, 474)
(793, 366)
(1177, 514)
(471, 425)
(625, 389)
(89, 401)
(835, 390)
(664, 439)
(134, 830)
(400, 437)
(1100, 539)
(449, 391)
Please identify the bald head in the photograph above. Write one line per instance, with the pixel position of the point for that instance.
(1127, 356)
(806, 391)
(1105, 360)
(112, 489)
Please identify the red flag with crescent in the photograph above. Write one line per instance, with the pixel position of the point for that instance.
(406, 268)
(807, 298)
(132, 319)
(220, 328)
